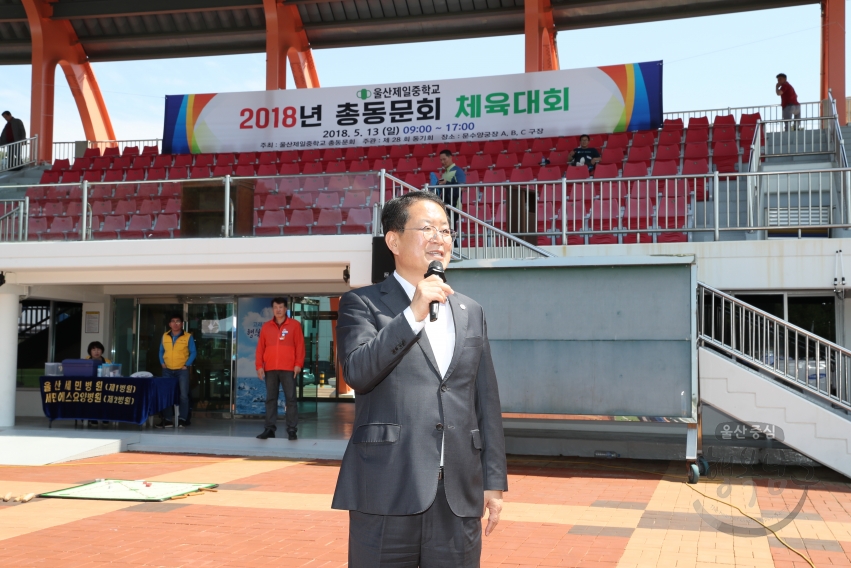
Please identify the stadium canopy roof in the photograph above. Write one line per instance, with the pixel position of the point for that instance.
(120, 30)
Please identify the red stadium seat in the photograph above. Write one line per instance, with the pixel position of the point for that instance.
(549, 173)
(50, 177)
(542, 145)
(71, 177)
(531, 159)
(640, 154)
(469, 148)
(672, 124)
(613, 156)
(244, 170)
(725, 156)
(698, 122)
(248, 158)
(36, 227)
(664, 168)
(521, 175)
(112, 227)
(156, 173)
(198, 172)
(517, 146)
(672, 214)
(697, 151)
(432, 164)
(312, 155)
(328, 200)
(606, 171)
(493, 147)
(267, 169)
(332, 154)
(668, 152)
(268, 158)
(696, 168)
(638, 214)
(172, 206)
(385, 164)
(148, 207)
(274, 201)
(101, 208)
(93, 175)
(377, 152)
(354, 199)
(495, 176)
(558, 157)
(644, 138)
(182, 160)
(288, 156)
(302, 200)
(724, 120)
(110, 151)
(618, 140)
(417, 180)
(357, 222)
(400, 151)
(92, 153)
(329, 222)
(667, 137)
(506, 161)
(479, 162)
(405, 165)
(60, 165)
(122, 162)
(577, 172)
(697, 135)
(101, 163)
(749, 119)
(300, 223)
(312, 168)
(153, 150)
(223, 170)
(605, 215)
(422, 150)
(167, 227)
(204, 160)
(724, 133)
(567, 143)
(225, 159)
(288, 169)
(126, 207)
(53, 209)
(163, 161)
(611, 189)
(178, 172)
(60, 227)
(143, 161)
(272, 223)
(112, 176)
(597, 140)
(460, 161)
(130, 151)
(81, 164)
(353, 154)
(635, 169)
(359, 166)
(139, 226)
(335, 167)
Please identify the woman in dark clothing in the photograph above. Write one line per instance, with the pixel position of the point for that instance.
(96, 350)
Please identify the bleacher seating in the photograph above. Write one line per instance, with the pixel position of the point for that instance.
(338, 195)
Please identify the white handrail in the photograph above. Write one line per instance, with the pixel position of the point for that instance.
(18, 154)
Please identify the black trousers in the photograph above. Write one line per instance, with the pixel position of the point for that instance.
(285, 379)
(435, 538)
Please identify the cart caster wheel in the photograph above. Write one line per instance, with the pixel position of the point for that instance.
(693, 474)
(703, 465)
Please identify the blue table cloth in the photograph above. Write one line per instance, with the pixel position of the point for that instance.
(120, 399)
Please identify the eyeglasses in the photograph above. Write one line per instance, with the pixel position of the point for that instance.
(430, 233)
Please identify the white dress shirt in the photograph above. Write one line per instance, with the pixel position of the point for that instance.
(440, 333)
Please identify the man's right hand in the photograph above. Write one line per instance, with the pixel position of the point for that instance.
(429, 290)
(261, 374)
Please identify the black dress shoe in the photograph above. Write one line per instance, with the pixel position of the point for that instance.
(292, 435)
(267, 433)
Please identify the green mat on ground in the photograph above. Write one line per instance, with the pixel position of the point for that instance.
(124, 490)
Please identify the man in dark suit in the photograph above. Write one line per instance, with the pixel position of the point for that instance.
(427, 453)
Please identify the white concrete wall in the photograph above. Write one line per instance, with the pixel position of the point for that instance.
(28, 403)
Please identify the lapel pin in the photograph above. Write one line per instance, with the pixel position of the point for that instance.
(463, 307)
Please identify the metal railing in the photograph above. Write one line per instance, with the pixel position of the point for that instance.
(13, 219)
(766, 112)
(18, 154)
(774, 346)
(476, 238)
(73, 150)
(538, 213)
(841, 157)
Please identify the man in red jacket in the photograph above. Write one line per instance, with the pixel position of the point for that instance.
(279, 359)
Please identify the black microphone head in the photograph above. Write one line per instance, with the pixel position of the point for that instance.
(435, 267)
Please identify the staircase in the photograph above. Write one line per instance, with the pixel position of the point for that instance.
(13, 185)
(760, 370)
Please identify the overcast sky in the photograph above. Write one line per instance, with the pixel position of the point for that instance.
(710, 62)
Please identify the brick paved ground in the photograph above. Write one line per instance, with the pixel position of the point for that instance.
(559, 512)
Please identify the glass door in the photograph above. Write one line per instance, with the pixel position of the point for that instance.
(212, 326)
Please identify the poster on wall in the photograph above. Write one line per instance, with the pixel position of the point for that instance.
(252, 313)
(615, 98)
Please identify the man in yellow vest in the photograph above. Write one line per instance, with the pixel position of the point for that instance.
(177, 353)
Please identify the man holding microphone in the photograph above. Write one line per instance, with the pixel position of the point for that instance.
(427, 454)
(279, 359)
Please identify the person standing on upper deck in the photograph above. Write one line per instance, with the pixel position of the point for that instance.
(788, 101)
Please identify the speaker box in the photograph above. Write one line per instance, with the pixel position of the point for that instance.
(383, 262)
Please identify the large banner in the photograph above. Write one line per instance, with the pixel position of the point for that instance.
(616, 98)
(251, 314)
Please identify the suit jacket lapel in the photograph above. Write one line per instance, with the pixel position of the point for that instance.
(460, 318)
(395, 298)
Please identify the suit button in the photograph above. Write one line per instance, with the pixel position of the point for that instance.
(443, 388)
(439, 426)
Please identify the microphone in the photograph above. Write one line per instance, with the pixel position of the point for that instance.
(434, 268)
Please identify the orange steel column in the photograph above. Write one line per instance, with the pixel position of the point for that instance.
(541, 50)
(55, 42)
(286, 39)
(833, 53)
